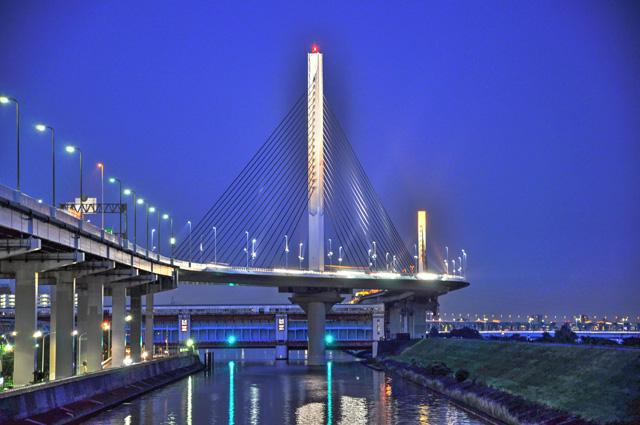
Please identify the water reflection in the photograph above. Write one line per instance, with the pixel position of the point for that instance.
(232, 378)
(258, 391)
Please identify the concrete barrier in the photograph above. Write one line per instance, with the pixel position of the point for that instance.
(73, 398)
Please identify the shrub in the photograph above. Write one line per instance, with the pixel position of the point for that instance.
(466, 333)
(438, 369)
(462, 375)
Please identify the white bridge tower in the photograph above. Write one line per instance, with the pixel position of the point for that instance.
(315, 132)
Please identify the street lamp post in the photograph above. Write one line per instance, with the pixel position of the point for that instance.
(190, 243)
(374, 256)
(215, 244)
(79, 355)
(330, 254)
(107, 328)
(172, 239)
(5, 100)
(253, 251)
(246, 248)
(72, 149)
(101, 167)
(165, 216)
(340, 255)
(150, 209)
(136, 201)
(300, 256)
(41, 128)
(114, 180)
(39, 334)
(286, 251)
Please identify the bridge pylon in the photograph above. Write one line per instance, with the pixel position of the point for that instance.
(315, 155)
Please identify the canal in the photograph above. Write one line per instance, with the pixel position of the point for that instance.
(248, 387)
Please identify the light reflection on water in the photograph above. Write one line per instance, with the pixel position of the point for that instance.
(258, 390)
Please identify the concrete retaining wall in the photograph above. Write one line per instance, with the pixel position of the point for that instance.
(72, 398)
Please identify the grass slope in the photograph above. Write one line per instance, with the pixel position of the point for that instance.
(602, 384)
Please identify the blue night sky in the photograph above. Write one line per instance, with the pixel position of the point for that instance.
(516, 124)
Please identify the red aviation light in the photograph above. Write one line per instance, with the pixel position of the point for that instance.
(314, 48)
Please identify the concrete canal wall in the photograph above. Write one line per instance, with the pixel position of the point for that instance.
(71, 399)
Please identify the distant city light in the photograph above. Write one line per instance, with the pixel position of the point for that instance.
(231, 339)
(329, 339)
(190, 342)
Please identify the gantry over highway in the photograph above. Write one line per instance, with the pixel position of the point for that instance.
(305, 171)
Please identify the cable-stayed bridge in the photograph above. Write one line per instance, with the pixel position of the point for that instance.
(301, 216)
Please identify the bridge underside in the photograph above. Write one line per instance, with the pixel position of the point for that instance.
(295, 282)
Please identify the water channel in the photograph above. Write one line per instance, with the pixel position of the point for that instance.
(249, 387)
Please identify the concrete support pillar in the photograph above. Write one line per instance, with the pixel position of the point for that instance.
(25, 326)
(148, 326)
(118, 300)
(82, 325)
(418, 320)
(95, 307)
(61, 338)
(316, 319)
(316, 305)
(135, 327)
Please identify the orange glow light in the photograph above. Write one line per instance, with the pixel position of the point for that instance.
(100, 165)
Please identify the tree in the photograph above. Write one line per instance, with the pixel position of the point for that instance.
(565, 335)
(433, 332)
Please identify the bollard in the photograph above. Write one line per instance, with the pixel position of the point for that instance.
(208, 360)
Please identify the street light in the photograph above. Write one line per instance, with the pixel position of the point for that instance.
(286, 251)
(72, 149)
(300, 256)
(254, 254)
(150, 209)
(106, 326)
(114, 180)
(374, 255)
(136, 202)
(128, 318)
(215, 244)
(4, 100)
(79, 356)
(330, 254)
(101, 167)
(39, 334)
(340, 255)
(246, 247)
(42, 128)
(464, 257)
(190, 243)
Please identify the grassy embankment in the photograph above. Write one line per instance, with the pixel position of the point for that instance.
(601, 384)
